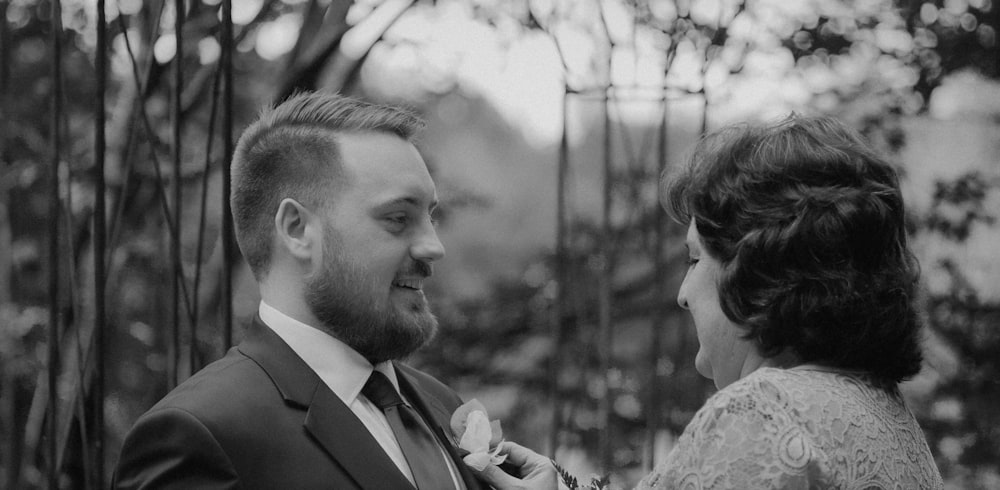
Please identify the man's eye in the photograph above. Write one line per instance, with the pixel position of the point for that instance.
(691, 261)
(397, 222)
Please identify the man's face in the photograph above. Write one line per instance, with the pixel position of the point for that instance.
(378, 245)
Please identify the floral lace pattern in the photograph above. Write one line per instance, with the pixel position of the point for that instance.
(800, 428)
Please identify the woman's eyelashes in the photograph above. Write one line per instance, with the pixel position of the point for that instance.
(692, 259)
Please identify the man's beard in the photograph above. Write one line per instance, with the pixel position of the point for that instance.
(344, 300)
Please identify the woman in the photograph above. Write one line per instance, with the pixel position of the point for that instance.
(802, 290)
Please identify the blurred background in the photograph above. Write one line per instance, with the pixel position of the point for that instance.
(549, 122)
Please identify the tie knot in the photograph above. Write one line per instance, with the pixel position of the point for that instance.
(379, 390)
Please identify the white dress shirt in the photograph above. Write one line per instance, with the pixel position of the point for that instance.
(345, 372)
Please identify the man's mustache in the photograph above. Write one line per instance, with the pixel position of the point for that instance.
(421, 268)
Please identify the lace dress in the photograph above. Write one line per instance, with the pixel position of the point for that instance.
(800, 428)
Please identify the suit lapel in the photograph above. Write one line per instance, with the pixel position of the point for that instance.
(331, 423)
(438, 418)
(430, 408)
(340, 432)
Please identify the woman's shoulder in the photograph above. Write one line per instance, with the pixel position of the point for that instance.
(771, 386)
(843, 417)
(766, 394)
(807, 383)
(799, 428)
(743, 437)
(820, 407)
(801, 375)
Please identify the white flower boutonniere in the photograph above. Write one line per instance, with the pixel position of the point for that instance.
(477, 436)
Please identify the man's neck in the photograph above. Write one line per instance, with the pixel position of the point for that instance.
(288, 298)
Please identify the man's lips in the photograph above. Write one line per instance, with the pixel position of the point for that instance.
(414, 284)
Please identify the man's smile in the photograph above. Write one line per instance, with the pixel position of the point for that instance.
(414, 284)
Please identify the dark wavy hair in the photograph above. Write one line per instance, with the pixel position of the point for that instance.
(808, 223)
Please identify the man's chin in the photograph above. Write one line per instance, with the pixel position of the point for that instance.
(410, 302)
(415, 315)
(423, 326)
(408, 335)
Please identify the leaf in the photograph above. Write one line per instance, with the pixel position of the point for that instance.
(600, 483)
(567, 479)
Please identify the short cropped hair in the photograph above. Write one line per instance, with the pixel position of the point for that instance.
(291, 151)
(808, 223)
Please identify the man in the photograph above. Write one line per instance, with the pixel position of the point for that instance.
(332, 207)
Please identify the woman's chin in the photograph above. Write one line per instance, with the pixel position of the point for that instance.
(703, 366)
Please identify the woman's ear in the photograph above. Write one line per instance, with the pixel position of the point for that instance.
(294, 229)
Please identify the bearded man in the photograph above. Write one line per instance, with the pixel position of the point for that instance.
(333, 210)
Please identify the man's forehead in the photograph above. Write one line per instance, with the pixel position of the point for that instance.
(383, 159)
(385, 171)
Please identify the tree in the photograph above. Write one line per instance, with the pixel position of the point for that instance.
(590, 311)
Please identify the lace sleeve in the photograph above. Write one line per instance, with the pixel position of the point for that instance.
(741, 438)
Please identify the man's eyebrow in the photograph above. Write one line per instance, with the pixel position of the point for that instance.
(408, 201)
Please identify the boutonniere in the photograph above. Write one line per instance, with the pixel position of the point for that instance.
(478, 438)
(573, 484)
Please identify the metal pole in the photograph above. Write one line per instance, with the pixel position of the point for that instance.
(4, 48)
(8, 390)
(175, 240)
(100, 233)
(604, 273)
(605, 337)
(227, 138)
(562, 281)
(202, 216)
(659, 317)
(54, 205)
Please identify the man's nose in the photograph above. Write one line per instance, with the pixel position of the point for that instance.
(427, 246)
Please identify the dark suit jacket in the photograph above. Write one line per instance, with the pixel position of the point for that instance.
(260, 418)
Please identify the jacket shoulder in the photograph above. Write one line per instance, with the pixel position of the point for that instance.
(222, 387)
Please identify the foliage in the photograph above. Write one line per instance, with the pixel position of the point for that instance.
(952, 36)
(570, 481)
(958, 205)
(902, 53)
(539, 337)
(962, 424)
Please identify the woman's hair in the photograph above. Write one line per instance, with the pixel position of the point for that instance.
(808, 223)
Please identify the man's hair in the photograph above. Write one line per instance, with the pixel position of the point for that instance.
(291, 151)
(808, 223)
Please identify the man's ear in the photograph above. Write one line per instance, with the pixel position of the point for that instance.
(295, 229)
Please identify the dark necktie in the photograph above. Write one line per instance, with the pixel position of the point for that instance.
(422, 453)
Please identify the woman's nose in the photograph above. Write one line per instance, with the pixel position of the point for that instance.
(682, 300)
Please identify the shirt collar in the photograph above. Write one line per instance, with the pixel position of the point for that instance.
(340, 367)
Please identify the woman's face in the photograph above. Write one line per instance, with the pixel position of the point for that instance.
(723, 354)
